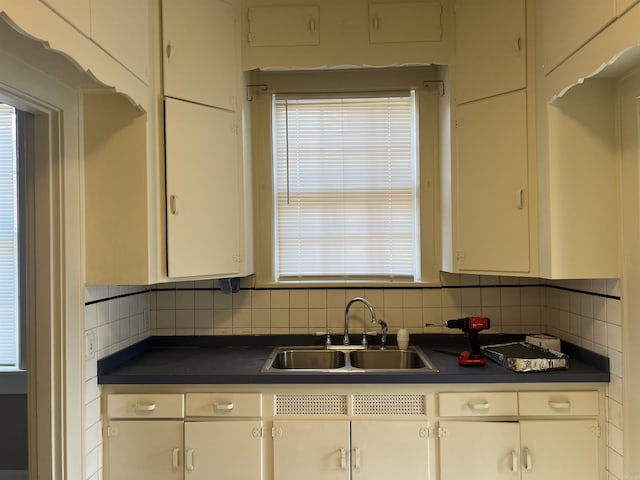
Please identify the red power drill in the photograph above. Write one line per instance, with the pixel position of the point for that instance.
(470, 326)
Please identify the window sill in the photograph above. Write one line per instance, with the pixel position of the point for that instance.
(14, 382)
(292, 284)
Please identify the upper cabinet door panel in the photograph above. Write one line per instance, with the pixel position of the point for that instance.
(405, 22)
(203, 221)
(77, 12)
(200, 52)
(569, 24)
(123, 28)
(284, 26)
(490, 48)
(493, 232)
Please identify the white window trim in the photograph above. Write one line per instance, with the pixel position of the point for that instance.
(428, 103)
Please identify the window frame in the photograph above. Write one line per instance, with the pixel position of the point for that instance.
(347, 81)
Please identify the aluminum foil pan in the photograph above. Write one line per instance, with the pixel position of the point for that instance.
(525, 357)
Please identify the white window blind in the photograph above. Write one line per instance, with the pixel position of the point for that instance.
(346, 188)
(9, 300)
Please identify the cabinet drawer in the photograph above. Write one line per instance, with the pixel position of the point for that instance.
(478, 404)
(558, 403)
(145, 406)
(224, 404)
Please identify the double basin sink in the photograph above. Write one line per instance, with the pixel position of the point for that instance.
(347, 359)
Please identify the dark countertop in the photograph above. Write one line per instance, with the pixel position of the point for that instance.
(239, 360)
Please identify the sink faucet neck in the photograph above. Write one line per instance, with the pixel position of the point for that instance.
(374, 319)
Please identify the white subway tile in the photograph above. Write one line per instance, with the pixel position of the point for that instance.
(299, 298)
(317, 298)
(336, 298)
(280, 299)
(393, 298)
(412, 298)
(243, 299)
(432, 297)
(185, 300)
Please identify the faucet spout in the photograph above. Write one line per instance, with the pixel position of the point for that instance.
(374, 319)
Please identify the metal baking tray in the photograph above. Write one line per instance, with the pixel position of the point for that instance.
(525, 357)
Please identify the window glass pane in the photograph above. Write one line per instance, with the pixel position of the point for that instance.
(9, 311)
(345, 185)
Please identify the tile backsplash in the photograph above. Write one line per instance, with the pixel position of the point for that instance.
(199, 308)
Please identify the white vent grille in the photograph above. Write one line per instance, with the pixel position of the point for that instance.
(311, 404)
(403, 404)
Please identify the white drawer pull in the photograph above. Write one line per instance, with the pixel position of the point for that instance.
(514, 461)
(527, 460)
(189, 462)
(356, 461)
(223, 406)
(479, 406)
(176, 458)
(560, 405)
(145, 407)
(343, 458)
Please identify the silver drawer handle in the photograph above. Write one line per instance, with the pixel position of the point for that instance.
(560, 405)
(223, 406)
(145, 407)
(482, 405)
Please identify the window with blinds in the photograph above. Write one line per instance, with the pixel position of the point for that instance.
(9, 260)
(345, 180)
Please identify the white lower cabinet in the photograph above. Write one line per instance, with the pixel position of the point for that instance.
(144, 450)
(232, 447)
(494, 436)
(342, 449)
(332, 432)
(529, 449)
(155, 437)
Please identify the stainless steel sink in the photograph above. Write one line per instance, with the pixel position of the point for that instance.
(348, 359)
(291, 359)
(387, 359)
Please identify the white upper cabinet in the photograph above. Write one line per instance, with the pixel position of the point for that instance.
(78, 12)
(123, 28)
(566, 25)
(203, 190)
(405, 22)
(490, 48)
(281, 26)
(492, 185)
(201, 52)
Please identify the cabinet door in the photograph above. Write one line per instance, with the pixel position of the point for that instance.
(200, 52)
(405, 22)
(233, 450)
(490, 48)
(144, 450)
(560, 450)
(492, 206)
(202, 169)
(284, 26)
(479, 450)
(373, 457)
(311, 450)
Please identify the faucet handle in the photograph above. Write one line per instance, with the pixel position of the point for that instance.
(365, 344)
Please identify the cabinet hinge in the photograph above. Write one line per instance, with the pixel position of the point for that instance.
(459, 123)
(596, 431)
(459, 255)
(257, 432)
(442, 432)
(111, 431)
(276, 432)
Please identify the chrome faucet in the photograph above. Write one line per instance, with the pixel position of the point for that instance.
(374, 320)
